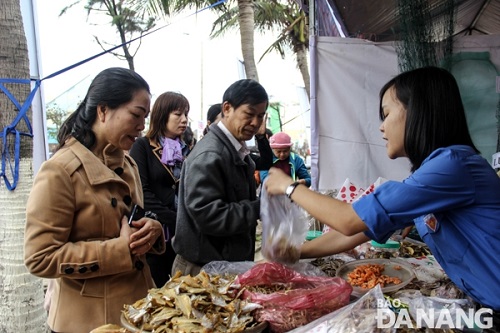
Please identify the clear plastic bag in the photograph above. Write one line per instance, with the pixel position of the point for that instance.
(227, 267)
(440, 308)
(239, 267)
(284, 228)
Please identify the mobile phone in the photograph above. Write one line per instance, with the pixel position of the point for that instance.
(136, 214)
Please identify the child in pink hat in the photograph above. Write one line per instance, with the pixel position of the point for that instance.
(280, 140)
(284, 159)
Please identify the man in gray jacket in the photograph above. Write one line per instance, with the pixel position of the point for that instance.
(218, 206)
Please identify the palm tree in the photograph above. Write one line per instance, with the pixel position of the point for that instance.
(247, 25)
(21, 297)
(271, 15)
(130, 20)
(245, 17)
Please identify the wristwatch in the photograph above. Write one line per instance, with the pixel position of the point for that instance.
(289, 190)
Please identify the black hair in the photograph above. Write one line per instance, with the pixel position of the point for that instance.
(245, 91)
(213, 112)
(164, 105)
(188, 136)
(112, 87)
(435, 115)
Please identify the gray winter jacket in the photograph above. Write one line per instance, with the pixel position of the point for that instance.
(218, 207)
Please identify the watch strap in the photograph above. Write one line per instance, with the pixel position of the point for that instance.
(290, 189)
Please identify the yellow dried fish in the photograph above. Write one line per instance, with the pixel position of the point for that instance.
(183, 303)
(163, 315)
(187, 325)
(203, 303)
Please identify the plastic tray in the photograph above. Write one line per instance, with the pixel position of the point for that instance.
(406, 273)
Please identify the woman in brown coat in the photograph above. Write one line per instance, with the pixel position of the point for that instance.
(76, 229)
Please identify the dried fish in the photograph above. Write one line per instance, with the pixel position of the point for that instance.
(328, 265)
(203, 303)
(412, 250)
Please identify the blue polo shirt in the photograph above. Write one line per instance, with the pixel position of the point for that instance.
(454, 202)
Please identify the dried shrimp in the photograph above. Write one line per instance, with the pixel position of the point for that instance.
(368, 276)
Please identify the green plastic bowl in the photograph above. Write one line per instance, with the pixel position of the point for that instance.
(313, 234)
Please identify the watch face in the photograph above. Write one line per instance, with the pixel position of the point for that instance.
(290, 189)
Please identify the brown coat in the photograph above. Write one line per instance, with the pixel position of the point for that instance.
(73, 222)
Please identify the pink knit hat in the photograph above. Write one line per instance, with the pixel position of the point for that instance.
(280, 140)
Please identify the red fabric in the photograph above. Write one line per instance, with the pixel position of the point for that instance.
(284, 165)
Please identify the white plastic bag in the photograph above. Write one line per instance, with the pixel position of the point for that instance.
(284, 228)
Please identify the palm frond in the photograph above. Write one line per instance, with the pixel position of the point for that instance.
(228, 21)
(278, 46)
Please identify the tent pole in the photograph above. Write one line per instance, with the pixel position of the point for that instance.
(312, 99)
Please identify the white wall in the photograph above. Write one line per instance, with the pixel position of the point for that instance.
(346, 141)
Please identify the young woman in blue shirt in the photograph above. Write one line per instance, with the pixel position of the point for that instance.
(452, 195)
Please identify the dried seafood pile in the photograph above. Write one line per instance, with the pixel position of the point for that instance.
(413, 250)
(368, 276)
(442, 287)
(329, 265)
(204, 303)
(354, 320)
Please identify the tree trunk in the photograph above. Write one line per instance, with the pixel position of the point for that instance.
(246, 20)
(301, 58)
(21, 298)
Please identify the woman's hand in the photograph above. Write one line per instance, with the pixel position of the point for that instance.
(277, 181)
(144, 234)
(406, 231)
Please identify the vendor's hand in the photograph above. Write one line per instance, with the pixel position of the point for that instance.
(145, 232)
(406, 231)
(277, 181)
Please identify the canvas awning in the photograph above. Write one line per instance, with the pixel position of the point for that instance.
(377, 20)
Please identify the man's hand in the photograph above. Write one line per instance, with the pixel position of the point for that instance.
(262, 128)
